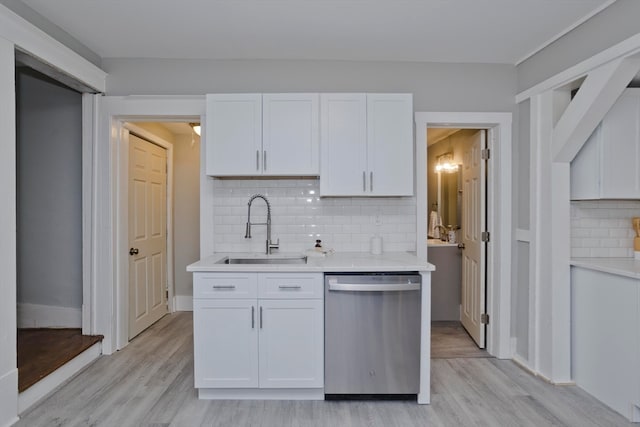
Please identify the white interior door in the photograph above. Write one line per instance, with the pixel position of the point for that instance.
(473, 224)
(147, 234)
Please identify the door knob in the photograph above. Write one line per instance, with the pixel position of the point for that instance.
(460, 245)
(133, 251)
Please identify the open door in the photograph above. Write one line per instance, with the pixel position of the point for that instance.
(474, 248)
(147, 234)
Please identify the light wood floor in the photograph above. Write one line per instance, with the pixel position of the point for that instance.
(449, 340)
(150, 383)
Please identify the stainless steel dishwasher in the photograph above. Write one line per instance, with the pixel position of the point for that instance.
(372, 335)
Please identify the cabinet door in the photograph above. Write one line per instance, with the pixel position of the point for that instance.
(291, 344)
(390, 144)
(585, 169)
(225, 341)
(290, 134)
(343, 144)
(621, 148)
(234, 134)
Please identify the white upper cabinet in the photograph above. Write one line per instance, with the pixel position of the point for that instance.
(608, 165)
(234, 134)
(255, 134)
(343, 145)
(366, 144)
(290, 134)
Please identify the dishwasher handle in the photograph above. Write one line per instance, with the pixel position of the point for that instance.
(360, 287)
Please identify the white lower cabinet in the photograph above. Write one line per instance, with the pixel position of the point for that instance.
(270, 337)
(226, 347)
(291, 343)
(605, 340)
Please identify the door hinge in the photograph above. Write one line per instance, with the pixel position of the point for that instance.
(484, 318)
(485, 154)
(485, 236)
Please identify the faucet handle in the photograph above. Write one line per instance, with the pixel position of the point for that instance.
(271, 245)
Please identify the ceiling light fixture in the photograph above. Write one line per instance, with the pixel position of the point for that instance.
(195, 127)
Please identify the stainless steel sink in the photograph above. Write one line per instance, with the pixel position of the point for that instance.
(275, 260)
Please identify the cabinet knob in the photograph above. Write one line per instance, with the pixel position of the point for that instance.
(133, 251)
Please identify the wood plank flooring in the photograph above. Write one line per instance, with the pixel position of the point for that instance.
(449, 340)
(150, 383)
(43, 350)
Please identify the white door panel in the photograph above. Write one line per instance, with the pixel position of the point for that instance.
(147, 234)
(473, 224)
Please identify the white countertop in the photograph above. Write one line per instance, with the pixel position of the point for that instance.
(435, 243)
(628, 267)
(335, 262)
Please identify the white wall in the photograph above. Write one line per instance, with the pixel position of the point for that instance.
(613, 25)
(186, 196)
(49, 232)
(435, 86)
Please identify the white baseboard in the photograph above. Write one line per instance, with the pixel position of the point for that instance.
(9, 398)
(183, 303)
(45, 386)
(48, 316)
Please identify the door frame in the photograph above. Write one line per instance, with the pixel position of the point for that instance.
(127, 129)
(111, 202)
(499, 215)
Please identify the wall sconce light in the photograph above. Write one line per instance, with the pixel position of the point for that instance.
(445, 163)
(195, 127)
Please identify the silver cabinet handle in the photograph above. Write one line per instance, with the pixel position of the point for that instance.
(289, 286)
(364, 181)
(264, 160)
(353, 287)
(260, 317)
(257, 159)
(371, 181)
(253, 317)
(224, 286)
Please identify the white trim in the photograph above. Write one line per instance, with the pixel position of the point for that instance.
(89, 109)
(112, 112)
(37, 43)
(122, 223)
(8, 372)
(523, 235)
(9, 398)
(51, 382)
(626, 48)
(261, 393)
(567, 30)
(183, 303)
(500, 212)
(48, 316)
(424, 394)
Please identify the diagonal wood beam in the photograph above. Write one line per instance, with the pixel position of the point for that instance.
(598, 93)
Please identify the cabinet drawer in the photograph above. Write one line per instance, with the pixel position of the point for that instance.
(225, 285)
(290, 286)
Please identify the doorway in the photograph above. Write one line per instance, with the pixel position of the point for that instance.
(151, 283)
(148, 285)
(456, 194)
(498, 257)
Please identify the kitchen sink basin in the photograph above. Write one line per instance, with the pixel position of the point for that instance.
(257, 260)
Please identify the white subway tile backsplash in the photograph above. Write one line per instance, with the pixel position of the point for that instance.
(602, 228)
(299, 217)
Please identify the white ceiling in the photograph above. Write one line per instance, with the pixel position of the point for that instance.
(491, 31)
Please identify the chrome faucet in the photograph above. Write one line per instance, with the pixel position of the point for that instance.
(270, 245)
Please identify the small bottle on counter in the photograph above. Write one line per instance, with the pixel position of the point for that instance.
(318, 246)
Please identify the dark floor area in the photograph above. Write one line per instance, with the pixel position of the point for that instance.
(41, 351)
